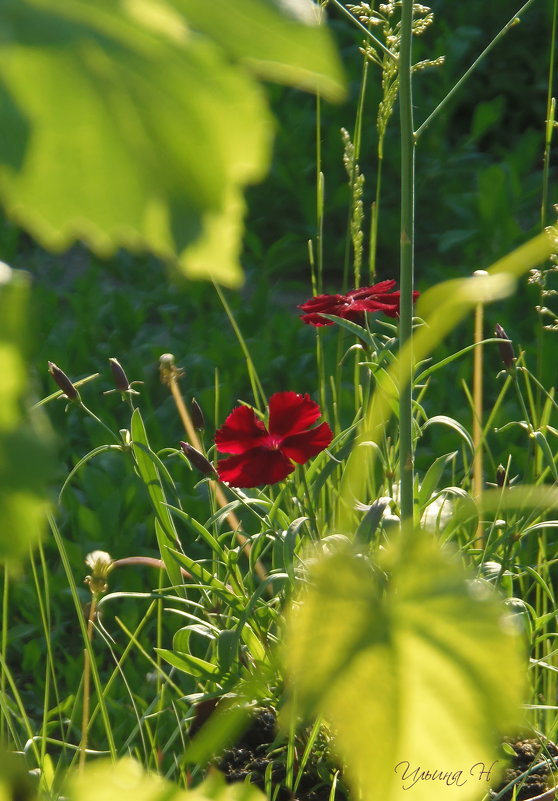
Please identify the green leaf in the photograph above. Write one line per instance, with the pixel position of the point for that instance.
(215, 788)
(432, 478)
(123, 781)
(145, 461)
(426, 670)
(451, 423)
(542, 442)
(126, 780)
(122, 128)
(26, 457)
(227, 649)
(187, 663)
(281, 41)
(118, 134)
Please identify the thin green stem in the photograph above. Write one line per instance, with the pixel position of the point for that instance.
(317, 275)
(467, 74)
(407, 260)
(309, 506)
(5, 604)
(522, 402)
(375, 214)
(550, 113)
(549, 130)
(87, 682)
(317, 262)
(257, 389)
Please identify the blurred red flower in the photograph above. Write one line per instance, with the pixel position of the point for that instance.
(351, 306)
(265, 455)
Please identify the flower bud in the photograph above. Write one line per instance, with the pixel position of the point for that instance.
(119, 376)
(100, 564)
(63, 382)
(121, 380)
(505, 346)
(197, 416)
(168, 371)
(166, 360)
(197, 459)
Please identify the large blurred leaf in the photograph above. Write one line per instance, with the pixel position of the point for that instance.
(123, 128)
(279, 39)
(419, 668)
(25, 457)
(126, 781)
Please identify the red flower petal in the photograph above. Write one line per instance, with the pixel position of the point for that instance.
(315, 319)
(290, 413)
(378, 304)
(388, 304)
(254, 468)
(241, 432)
(323, 303)
(301, 447)
(368, 291)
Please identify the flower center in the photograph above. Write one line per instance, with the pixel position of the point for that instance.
(273, 442)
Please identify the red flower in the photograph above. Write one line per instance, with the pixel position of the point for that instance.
(265, 455)
(351, 306)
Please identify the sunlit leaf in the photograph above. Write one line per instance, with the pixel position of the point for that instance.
(419, 666)
(123, 128)
(146, 465)
(192, 665)
(120, 136)
(127, 781)
(25, 440)
(281, 40)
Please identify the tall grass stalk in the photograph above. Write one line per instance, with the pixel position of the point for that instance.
(87, 682)
(4, 646)
(550, 115)
(406, 275)
(477, 409)
(549, 131)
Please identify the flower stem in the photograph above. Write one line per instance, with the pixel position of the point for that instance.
(310, 510)
(4, 648)
(478, 438)
(549, 130)
(87, 683)
(407, 258)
